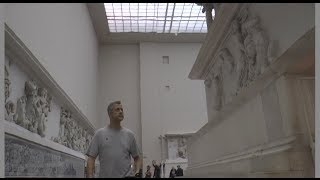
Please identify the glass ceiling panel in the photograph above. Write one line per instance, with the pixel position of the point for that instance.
(156, 17)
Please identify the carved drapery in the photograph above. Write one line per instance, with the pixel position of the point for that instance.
(241, 59)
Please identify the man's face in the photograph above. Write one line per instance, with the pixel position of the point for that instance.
(117, 112)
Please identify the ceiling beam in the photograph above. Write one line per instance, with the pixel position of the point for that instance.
(122, 38)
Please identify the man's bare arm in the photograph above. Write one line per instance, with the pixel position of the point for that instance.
(137, 164)
(90, 166)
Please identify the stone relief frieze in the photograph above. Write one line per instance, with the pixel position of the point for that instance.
(177, 148)
(71, 134)
(26, 159)
(32, 109)
(243, 57)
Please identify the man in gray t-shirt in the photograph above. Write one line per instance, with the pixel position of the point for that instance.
(115, 145)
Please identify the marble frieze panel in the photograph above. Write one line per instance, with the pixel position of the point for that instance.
(26, 159)
(244, 54)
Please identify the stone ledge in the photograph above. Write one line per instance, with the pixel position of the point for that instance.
(279, 174)
(180, 160)
(273, 165)
(260, 150)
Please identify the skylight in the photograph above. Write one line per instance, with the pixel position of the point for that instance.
(156, 17)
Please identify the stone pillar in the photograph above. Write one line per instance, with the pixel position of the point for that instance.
(2, 8)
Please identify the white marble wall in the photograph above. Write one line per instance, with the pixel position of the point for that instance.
(261, 137)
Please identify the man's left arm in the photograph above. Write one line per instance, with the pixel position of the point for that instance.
(136, 155)
(137, 165)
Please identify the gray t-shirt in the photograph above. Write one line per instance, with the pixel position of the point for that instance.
(114, 148)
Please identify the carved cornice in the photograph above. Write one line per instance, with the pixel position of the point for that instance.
(178, 135)
(22, 56)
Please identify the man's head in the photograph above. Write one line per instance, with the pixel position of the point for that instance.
(154, 162)
(178, 166)
(115, 111)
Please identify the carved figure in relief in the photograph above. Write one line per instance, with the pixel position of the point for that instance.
(7, 83)
(182, 148)
(217, 87)
(42, 107)
(73, 135)
(251, 56)
(67, 132)
(83, 141)
(236, 48)
(76, 138)
(87, 142)
(261, 43)
(229, 75)
(32, 106)
(10, 114)
(22, 119)
(63, 118)
(251, 28)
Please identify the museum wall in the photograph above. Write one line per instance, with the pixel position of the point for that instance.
(62, 37)
(170, 102)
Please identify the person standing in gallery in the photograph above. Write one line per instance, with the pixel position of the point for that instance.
(179, 171)
(156, 172)
(173, 172)
(115, 145)
(148, 172)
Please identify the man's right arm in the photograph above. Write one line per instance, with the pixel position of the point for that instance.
(92, 153)
(90, 166)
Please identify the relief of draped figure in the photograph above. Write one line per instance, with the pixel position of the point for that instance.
(229, 75)
(37, 107)
(256, 42)
(214, 85)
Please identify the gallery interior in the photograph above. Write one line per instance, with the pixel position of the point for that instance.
(220, 89)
